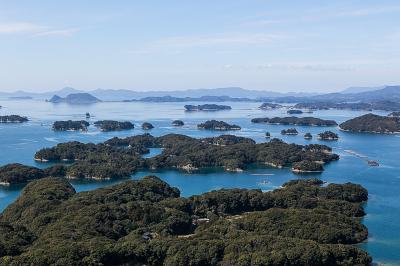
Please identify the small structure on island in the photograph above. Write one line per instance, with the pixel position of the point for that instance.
(87, 115)
(267, 135)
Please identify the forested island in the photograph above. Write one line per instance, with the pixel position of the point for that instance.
(70, 125)
(111, 125)
(371, 123)
(218, 125)
(120, 157)
(307, 136)
(177, 123)
(147, 126)
(75, 98)
(270, 106)
(289, 131)
(297, 121)
(384, 105)
(146, 222)
(13, 119)
(207, 107)
(294, 112)
(328, 135)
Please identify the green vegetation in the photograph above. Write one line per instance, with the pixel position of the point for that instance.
(207, 107)
(13, 119)
(217, 125)
(70, 125)
(118, 157)
(145, 222)
(298, 121)
(372, 123)
(17, 173)
(328, 135)
(289, 131)
(307, 166)
(111, 125)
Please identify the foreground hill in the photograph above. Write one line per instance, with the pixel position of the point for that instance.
(145, 222)
(373, 124)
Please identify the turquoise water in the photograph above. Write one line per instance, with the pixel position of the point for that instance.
(19, 143)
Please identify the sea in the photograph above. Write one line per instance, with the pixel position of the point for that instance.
(19, 142)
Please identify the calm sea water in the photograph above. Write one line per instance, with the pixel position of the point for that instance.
(19, 142)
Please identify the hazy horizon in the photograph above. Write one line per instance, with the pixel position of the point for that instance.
(184, 89)
(285, 46)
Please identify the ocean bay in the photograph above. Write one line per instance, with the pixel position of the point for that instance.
(21, 141)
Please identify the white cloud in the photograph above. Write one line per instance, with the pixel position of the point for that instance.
(64, 32)
(20, 27)
(370, 11)
(295, 67)
(217, 40)
(33, 29)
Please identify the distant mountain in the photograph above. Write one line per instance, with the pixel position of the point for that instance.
(360, 89)
(39, 96)
(354, 94)
(75, 98)
(195, 99)
(123, 95)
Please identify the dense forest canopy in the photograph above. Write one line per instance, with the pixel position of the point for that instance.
(121, 157)
(13, 119)
(70, 125)
(372, 123)
(145, 222)
(218, 125)
(292, 120)
(111, 125)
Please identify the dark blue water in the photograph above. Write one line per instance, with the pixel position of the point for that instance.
(18, 143)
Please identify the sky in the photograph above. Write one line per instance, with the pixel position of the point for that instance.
(285, 45)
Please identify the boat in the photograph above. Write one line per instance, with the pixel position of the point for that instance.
(372, 163)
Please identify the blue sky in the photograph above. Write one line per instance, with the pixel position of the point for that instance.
(163, 45)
